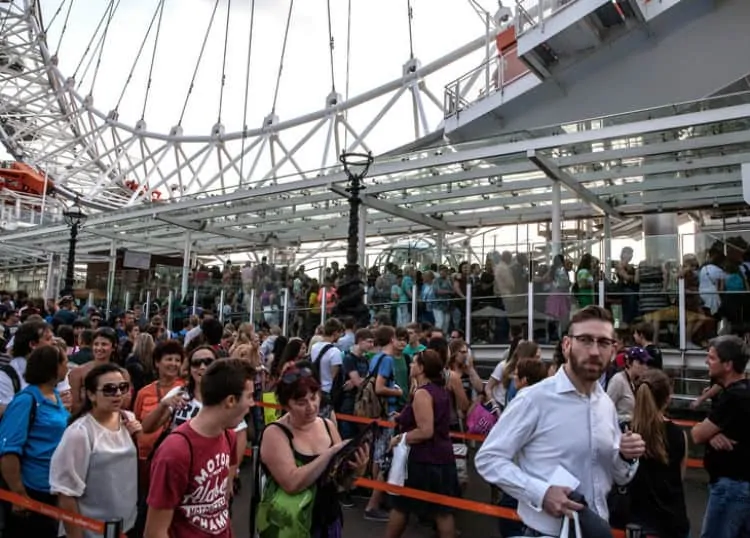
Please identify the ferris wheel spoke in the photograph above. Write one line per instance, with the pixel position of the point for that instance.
(87, 50)
(289, 155)
(113, 173)
(359, 139)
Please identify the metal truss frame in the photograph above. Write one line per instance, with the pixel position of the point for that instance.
(682, 159)
(90, 154)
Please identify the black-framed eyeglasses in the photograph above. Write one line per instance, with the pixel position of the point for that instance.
(198, 362)
(115, 389)
(586, 340)
(292, 376)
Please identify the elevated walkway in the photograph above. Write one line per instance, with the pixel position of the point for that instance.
(564, 61)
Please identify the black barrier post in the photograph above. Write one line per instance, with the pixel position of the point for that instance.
(113, 528)
(255, 491)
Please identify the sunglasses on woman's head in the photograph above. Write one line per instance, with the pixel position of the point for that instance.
(292, 376)
(197, 363)
(115, 389)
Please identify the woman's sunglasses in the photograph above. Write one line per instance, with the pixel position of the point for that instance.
(115, 389)
(197, 363)
(292, 376)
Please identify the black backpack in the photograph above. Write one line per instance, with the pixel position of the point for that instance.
(337, 389)
(12, 374)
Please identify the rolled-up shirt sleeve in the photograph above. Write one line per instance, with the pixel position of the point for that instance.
(14, 428)
(496, 459)
(70, 463)
(622, 471)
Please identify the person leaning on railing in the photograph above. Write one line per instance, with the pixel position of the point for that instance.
(31, 429)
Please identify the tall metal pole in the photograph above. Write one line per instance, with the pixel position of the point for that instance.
(351, 291)
(70, 269)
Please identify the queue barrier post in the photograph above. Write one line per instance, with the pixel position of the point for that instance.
(113, 528)
(255, 487)
(633, 530)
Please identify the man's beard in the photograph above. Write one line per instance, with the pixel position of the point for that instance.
(586, 368)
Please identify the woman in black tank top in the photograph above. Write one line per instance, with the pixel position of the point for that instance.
(657, 497)
(294, 452)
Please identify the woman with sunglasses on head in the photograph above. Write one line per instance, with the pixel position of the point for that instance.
(104, 350)
(296, 450)
(93, 469)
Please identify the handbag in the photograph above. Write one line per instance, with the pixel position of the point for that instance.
(479, 420)
(618, 502)
(399, 470)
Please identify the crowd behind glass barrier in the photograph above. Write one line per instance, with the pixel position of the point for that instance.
(154, 380)
(716, 293)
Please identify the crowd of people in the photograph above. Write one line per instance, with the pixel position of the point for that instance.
(717, 293)
(148, 425)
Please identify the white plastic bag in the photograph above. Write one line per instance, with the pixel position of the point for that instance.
(399, 463)
(460, 453)
(565, 528)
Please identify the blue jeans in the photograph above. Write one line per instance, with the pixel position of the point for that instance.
(728, 510)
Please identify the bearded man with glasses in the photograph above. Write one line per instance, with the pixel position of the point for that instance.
(558, 443)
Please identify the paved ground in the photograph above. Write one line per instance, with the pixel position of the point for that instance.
(470, 524)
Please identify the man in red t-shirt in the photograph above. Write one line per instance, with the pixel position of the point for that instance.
(192, 470)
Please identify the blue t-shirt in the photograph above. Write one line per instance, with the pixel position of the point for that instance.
(33, 445)
(385, 369)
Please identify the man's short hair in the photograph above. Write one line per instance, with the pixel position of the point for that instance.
(362, 334)
(731, 348)
(384, 335)
(332, 326)
(224, 378)
(591, 312)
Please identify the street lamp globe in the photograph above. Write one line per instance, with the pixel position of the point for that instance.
(356, 165)
(74, 216)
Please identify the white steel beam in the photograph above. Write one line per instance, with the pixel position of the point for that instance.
(555, 173)
(396, 211)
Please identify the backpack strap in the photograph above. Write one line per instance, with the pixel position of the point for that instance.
(375, 370)
(12, 374)
(190, 451)
(326, 348)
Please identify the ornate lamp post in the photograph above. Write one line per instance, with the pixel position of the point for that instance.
(74, 218)
(351, 291)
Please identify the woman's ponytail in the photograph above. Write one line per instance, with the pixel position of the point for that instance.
(652, 394)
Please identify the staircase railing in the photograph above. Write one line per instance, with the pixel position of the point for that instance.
(492, 76)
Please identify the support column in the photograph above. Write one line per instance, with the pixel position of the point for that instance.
(440, 247)
(607, 250)
(556, 226)
(362, 238)
(186, 257)
(111, 277)
(53, 277)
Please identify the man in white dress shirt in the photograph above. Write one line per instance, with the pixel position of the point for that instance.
(562, 435)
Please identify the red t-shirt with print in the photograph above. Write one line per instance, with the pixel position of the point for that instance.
(198, 495)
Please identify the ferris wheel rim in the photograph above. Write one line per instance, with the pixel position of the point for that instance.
(61, 83)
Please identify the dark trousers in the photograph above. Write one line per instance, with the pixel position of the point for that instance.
(32, 524)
